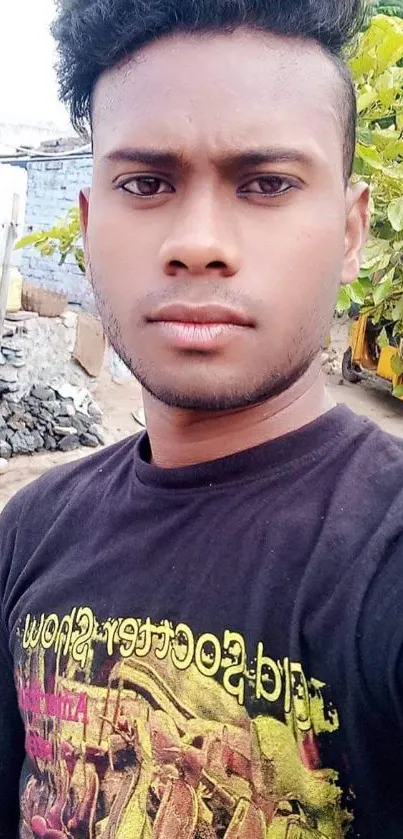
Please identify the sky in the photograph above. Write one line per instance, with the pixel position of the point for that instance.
(28, 87)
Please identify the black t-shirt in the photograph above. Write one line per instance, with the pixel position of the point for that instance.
(212, 651)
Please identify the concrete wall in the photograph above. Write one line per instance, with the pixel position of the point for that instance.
(53, 188)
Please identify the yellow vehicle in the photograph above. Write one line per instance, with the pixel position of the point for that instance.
(365, 359)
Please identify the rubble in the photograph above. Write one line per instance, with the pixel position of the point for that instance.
(5, 450)
(46, 420)
(45, 403)
(39, 351)
(45, 395)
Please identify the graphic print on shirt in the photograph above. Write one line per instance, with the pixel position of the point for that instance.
(137, 730)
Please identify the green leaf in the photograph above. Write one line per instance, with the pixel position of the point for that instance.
(377, 315)
(366, 136)
(383, 340)
(47, 248)
(365, 282)
(370, 156)
(396, 364)
(382, 290)
(30, 239)
(390, 41)
(395, 214)
(366, 99)
(398, 391)
(362, 64)
(359, 166)
(393, 150)
(397, 311)
(62, 239)
(357, 292)
(376, 255)
(79, 257)
(343, 301)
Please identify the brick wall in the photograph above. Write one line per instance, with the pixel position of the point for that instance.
(53, 188)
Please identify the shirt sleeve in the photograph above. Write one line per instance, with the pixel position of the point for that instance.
(380, 639)
(11, 749)
(12, 735)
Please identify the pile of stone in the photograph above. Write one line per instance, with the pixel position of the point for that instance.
(12, 357)
(59, 417)
(38, 350)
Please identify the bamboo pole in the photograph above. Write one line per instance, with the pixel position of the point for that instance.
(8, 252)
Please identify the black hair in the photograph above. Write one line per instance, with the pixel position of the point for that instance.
(95, 35)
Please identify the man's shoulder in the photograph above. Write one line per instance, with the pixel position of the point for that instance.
(375, 449)
(61, 485)
(369, 474)
(63, 505)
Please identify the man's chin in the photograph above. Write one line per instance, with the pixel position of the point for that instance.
(212, 390)
(219, 400)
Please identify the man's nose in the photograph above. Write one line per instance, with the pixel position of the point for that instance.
(203, 240)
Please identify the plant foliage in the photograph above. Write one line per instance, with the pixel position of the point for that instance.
(379, 160)
(63, 239)
(383, 8)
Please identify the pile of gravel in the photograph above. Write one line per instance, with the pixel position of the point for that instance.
(46, 420)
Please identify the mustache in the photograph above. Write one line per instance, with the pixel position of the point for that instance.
(198, 293)
(208, 291)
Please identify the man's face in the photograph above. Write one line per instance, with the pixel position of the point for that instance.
(219, 226)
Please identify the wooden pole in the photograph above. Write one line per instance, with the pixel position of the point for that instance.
(8, 252)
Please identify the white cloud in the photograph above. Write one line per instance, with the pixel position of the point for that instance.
(28, 87)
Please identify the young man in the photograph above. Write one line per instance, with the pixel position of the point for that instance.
(201, 628)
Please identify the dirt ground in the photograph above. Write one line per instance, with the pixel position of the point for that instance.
(119, 401)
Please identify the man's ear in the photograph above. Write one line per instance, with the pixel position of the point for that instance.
(84, 203)
(357, 227)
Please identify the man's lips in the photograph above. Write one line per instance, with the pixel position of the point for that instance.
(212, 314)
(200, 328)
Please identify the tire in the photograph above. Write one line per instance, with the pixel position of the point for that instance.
(351, 373)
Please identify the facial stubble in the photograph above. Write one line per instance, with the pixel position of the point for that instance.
(221, 398)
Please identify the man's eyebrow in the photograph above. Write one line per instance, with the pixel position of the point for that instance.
(226, 160)
(148, 157)
(259, 157)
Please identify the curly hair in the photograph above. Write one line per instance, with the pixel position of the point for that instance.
(95, 35)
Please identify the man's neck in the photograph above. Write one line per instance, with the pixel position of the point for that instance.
(183, 438)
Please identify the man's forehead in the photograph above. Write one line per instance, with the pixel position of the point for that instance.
(218, 91)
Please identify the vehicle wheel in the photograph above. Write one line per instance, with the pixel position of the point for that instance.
(351, 372)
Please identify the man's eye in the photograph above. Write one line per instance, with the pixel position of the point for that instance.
(146, 187)
(270, 185)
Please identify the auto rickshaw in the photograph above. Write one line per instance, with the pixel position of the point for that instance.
(365, 359)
